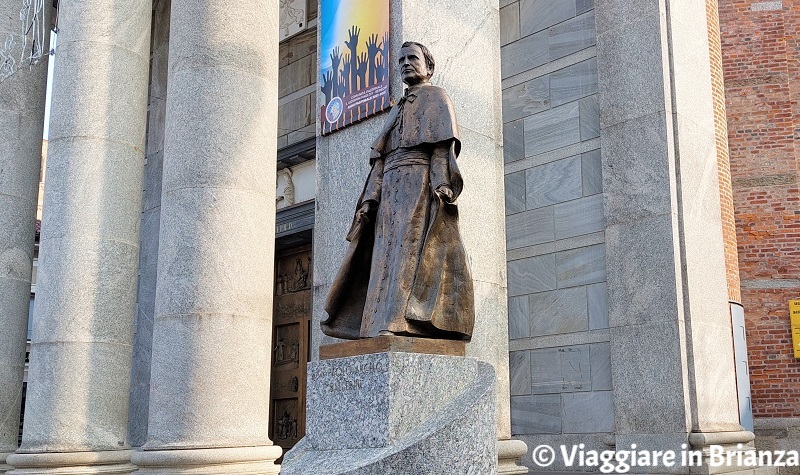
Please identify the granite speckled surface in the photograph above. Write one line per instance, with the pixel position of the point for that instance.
(393, 413)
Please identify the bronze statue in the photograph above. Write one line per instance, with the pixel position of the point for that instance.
(406, 271)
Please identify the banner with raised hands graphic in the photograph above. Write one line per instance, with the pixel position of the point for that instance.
(354, 65)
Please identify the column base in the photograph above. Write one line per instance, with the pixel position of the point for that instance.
(738, 442)
(71, 463)
(508, 454)
(218, 461)
(3, 466)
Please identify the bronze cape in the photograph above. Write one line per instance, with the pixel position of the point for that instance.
(406, 269)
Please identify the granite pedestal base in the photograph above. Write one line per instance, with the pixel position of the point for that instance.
(398, 413)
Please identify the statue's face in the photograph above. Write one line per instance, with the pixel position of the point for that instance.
(413, 67)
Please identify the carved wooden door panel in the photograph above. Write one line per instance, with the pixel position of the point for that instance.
(290, 346)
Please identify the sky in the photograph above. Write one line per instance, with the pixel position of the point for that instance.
(50, 66)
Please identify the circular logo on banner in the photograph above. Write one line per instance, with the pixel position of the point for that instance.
(334, 110)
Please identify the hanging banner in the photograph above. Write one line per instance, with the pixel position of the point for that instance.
(354, 66)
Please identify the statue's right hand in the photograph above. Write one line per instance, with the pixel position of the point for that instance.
(363, 212)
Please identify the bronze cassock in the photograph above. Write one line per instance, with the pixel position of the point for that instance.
(406, 270)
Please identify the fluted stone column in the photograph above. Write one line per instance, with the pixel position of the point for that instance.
(209, 397)
(464, 38)
(76, 409)
(22, 101)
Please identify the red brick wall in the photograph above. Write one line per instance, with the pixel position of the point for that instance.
(723, 159)
(761, 63)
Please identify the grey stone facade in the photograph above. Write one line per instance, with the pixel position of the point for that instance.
(560, 362)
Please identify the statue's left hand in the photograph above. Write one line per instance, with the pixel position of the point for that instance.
(445, 193)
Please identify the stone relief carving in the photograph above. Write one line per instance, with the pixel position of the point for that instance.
(27, 47)
(292, 17)
(288, 190)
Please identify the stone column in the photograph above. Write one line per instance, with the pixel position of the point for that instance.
(671, 339)
(464, 38)
(209, 397)
(76, 413)
(22, 102)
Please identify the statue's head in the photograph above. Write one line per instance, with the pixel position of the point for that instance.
(416, 63)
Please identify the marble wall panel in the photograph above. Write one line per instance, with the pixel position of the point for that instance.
(586, 265)
(534, 274)
(515, 192)
(519, 368)
(524, 54)
(573, 82)
(513, 141)
(526, 99)
(592, 172)
(560, 370)
(571, 36)
(600, 356)
(583, 6)
(519, 325)
(577, 217)
(553, 182)
(509, 18)
(589, 118)
(529, 228)
(559, 311)
(552, 129)
(586, 413)
(537, 414)
(536, 15)
(597, 296)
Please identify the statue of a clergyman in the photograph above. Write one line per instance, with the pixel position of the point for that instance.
(406, 272)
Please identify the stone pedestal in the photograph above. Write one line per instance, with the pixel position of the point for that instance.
(398, 413)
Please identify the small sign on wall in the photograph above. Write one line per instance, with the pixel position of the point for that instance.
(292, 17)
(794, 315)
